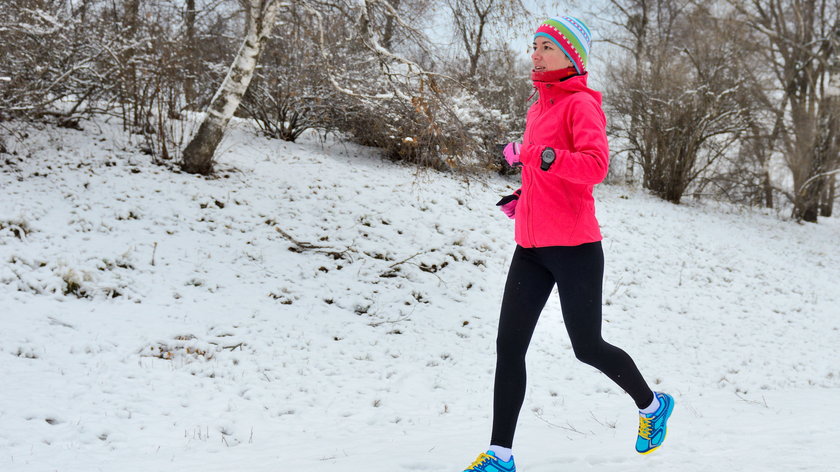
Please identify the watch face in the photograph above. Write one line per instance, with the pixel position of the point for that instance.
(548, 155)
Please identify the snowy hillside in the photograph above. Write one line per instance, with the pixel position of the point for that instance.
(315, 308)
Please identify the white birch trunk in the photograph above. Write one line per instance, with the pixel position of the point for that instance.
(198, 155)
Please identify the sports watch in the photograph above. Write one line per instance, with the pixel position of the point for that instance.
(548, 157)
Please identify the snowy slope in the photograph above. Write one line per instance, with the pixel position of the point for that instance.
(315, 308)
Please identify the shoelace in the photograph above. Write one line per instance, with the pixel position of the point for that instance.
(480, 460)
(645, 426)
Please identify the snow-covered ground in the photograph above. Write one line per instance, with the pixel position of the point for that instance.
(315, 308)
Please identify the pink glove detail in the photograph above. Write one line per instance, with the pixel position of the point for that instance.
(508, 204)
(511, 153)
(509, 209)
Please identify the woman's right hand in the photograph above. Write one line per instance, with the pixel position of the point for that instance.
(511, 153)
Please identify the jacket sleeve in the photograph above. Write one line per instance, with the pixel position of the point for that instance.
(589, 163)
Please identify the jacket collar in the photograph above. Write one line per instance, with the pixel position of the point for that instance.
(553, 75)
(557, 83)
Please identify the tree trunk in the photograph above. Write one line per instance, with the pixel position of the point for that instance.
(761, 148)
(809, 210)
(130, 21)
(82, 12)
(809, 187)
(198, 155)
(830, 194)
(189, 23)
(390, 25)
(132, 11)
(768, 190)
(637, 24)
(479, 37)
(832, 109)
(629, 169)
(826, 148)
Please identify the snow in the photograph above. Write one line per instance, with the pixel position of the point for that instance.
(316, 308)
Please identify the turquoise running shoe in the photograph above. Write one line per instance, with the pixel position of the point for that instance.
(654, 427)
(488, 462)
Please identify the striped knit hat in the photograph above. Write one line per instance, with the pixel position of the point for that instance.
(571, 35)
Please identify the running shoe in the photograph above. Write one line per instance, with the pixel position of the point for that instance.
(488, 462)
(654, 427)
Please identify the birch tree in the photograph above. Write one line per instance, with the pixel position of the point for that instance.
(368, 18)
(198, 155)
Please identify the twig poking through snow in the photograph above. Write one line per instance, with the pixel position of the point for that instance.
(762, 402)
(303, 245)
(568, 426)
(606, 423)
(54, 321)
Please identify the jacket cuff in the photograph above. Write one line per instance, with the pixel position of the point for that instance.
(530, 154)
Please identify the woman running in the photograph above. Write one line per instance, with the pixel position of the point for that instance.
(563, 154)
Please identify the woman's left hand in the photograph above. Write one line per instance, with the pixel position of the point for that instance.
(508, 204)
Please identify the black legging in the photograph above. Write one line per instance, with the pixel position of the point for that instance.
(578, 272)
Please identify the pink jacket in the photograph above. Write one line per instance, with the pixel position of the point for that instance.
(556, 207)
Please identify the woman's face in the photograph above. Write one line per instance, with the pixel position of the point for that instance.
(547, 56)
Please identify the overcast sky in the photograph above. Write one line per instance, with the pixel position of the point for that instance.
(592, 12)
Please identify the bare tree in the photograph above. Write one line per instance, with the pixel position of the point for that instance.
(830, 121)
(384, 98)
(802, 38)
(473, 22)
(745, 177)
(45, 60)
(641, 27)
(367, 18)
(198, 155)
(676, 93)
(127, 30)
(288, 94)
(358, 67)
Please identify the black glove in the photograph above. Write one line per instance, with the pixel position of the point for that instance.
(509, 198)
(508, 204)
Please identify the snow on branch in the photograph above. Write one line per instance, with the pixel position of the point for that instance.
(53, 25)
(816, 177)
(393, 66)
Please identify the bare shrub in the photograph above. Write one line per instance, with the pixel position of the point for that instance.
(678, 97)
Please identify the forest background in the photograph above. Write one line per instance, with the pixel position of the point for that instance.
(732, 99)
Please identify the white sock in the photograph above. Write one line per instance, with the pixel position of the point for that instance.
(654, 405)
(503, 453)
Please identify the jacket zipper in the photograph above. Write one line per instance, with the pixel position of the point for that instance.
(530, 217)
(530, 222)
